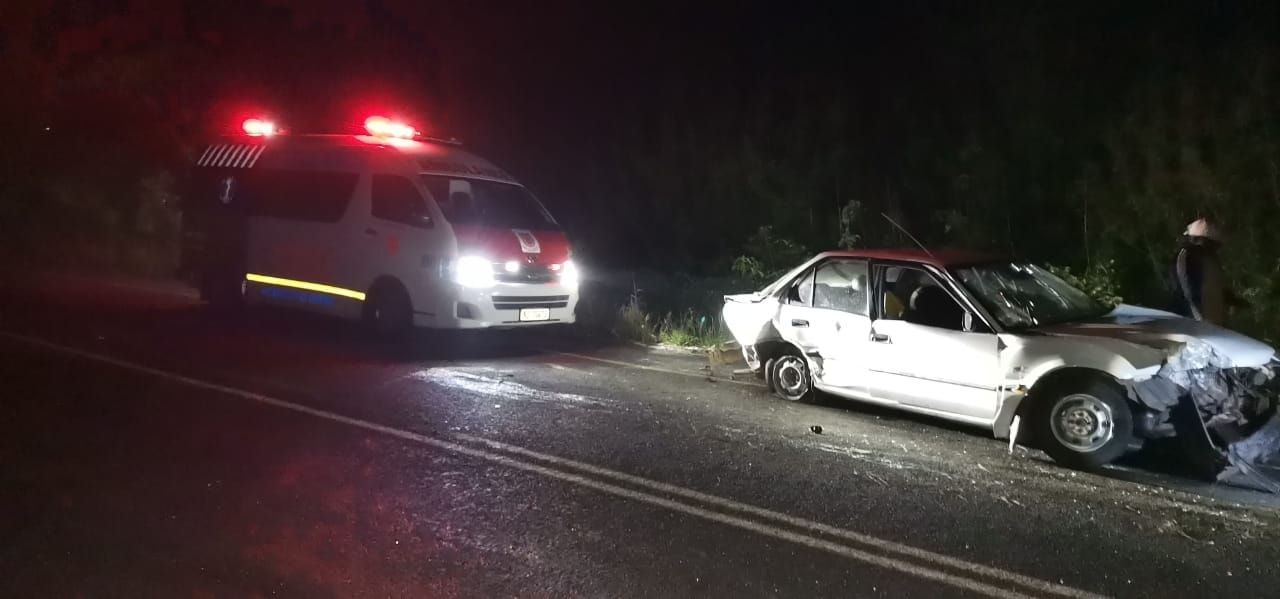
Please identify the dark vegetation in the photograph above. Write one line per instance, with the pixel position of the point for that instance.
(689, 152)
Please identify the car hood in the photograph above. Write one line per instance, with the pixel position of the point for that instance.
(1169, 333)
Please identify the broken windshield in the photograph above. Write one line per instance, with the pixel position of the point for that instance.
(1023, 295)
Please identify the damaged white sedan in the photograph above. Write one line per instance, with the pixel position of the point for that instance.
(1001, 344)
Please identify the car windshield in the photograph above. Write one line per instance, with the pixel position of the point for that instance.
(481, 203)
(1025, 295)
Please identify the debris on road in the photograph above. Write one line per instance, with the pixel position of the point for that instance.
(816, 429)
(1255, 460)
(726, 354)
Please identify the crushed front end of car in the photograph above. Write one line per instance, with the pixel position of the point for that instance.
(1224, 415)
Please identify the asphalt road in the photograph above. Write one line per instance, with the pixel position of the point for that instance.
(150, 448)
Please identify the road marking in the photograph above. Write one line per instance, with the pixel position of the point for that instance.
(696, 375)
(876, 542)
(887, 562)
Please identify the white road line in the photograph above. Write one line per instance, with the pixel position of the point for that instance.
(882, 544)
(696, 375)
(887, 562)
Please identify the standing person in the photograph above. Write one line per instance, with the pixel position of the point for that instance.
(1200, 287)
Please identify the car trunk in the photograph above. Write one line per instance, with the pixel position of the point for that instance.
(749, 317)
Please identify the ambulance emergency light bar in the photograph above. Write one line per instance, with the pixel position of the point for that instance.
(258, 128)
(380, 126)
(376, 126)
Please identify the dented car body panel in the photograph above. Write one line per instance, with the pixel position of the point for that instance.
(975, 354)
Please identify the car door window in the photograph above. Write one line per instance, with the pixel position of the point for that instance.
(841, 285)
(801, 291)
(396, 199)
(915, 296)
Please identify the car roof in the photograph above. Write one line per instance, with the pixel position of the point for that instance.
(945, 258)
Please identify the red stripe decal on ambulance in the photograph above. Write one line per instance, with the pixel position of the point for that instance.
(229, 158)
(213, 151)
(221, 155)
(243, 156)
(528, 243)
(204, 156)
(254, 157)
(233, 156)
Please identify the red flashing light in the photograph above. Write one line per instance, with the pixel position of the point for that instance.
(380, 126)
(259, 127)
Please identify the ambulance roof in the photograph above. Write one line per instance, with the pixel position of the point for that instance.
(430, 157)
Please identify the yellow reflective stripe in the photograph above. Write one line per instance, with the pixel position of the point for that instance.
(322, 288)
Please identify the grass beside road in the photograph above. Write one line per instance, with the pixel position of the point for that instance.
(683, 329)
(689, 329)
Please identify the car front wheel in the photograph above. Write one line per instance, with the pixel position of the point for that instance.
(789, 378)
(1084, 425)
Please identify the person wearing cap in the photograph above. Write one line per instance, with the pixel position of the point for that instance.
(1200, 287)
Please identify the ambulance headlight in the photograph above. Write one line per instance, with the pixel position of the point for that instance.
(473, 271)
(569, 274)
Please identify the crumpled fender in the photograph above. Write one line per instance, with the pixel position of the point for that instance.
(749, 318)
(1031, 358)
(1026, 360)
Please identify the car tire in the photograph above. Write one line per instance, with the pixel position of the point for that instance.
(1084, 424)
(1201, 452)
(790, 378)
(388, 312)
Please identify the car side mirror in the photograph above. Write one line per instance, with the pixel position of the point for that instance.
(967, 322)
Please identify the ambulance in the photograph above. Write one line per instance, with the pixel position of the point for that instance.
(386, 226)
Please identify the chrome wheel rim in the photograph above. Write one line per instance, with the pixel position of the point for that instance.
(792, 377)
(1082, 422)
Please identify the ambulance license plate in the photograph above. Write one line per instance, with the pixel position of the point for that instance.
(534, 314)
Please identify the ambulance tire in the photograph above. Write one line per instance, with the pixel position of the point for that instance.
(388, 311)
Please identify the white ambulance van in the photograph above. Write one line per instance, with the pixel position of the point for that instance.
(389, 227)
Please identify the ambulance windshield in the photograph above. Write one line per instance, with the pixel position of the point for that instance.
(481, 203)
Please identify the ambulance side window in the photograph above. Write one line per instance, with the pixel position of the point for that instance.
(316, 196)
(397, 200)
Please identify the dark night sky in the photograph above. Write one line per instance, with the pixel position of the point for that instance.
(565, 94)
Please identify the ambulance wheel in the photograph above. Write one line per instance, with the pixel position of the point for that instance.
(387, 311)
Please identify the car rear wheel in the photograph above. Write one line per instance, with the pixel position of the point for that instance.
(1084, 425)
(790, 379)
